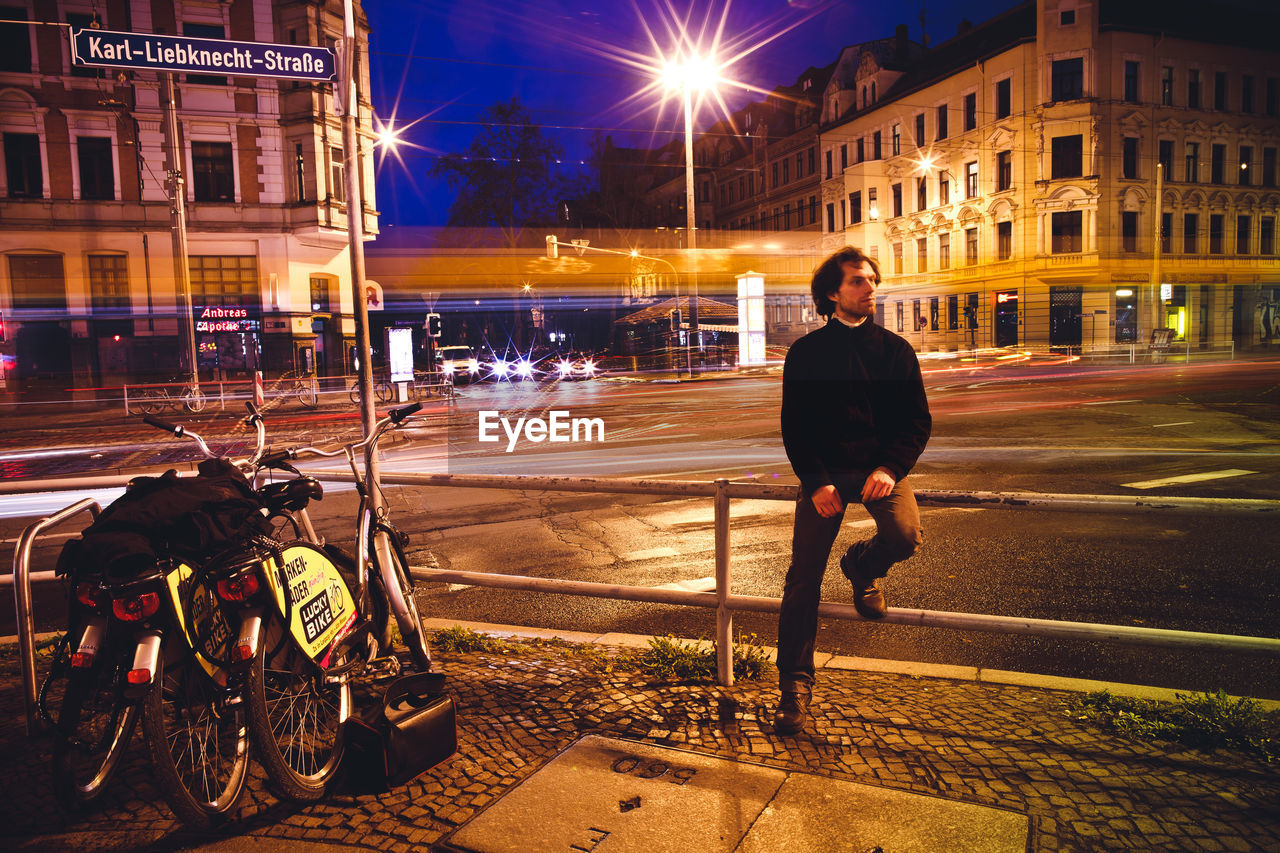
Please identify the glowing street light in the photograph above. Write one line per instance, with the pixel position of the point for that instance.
(692, 73)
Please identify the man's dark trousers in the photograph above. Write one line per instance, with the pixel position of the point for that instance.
(897, 537)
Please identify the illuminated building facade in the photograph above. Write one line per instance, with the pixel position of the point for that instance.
(1006, 179)
(88, 289)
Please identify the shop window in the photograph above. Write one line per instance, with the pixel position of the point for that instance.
(953, 312)
(109, 294)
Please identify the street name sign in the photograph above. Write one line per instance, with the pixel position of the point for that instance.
(113, 49)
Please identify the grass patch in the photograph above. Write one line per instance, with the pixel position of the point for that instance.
(459, 639)
(666, 657)
(1205, 721)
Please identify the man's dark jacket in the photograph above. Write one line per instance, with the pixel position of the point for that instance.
(852, 400)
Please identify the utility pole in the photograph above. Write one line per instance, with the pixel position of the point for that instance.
(178, 225)
(691, 224)
(355, 220)
(1157, 298)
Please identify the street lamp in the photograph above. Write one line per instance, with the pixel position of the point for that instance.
(692, 73)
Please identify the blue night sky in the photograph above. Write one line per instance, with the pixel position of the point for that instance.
(578, 68)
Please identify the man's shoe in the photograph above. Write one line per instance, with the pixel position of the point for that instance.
(868, 600)
(791, 713)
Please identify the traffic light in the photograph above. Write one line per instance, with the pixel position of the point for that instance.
(433, 325)
(675, 320)
(553, 248)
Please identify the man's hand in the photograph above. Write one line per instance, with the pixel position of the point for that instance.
(826, 500)
(879, 484)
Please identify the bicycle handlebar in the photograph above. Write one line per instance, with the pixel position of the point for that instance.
(164, 426)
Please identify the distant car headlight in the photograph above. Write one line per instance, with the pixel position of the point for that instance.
(447, 367)
(500, 368)
(566, 368)
(524, 368)
(473, 366)
(589, 368)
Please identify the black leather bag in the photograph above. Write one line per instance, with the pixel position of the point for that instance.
(411, 730)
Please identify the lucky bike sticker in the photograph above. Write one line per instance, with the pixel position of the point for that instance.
(319, 600)
(316, 615)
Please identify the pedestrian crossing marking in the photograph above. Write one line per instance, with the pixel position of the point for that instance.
(1188, 478)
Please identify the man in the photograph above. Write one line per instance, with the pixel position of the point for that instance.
(854, 422)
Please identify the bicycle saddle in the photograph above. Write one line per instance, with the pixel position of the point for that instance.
(290, 495)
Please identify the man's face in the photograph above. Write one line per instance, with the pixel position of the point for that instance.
(855, 299)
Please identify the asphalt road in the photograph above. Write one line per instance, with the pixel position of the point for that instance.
(1020, 428)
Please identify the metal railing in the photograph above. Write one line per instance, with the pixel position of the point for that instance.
(22, 599)
(722, 600)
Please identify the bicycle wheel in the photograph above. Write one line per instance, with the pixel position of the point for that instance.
(295, 718)
(199, 742)
(307, 395)
(194, 400)
(354, 394)
(152, 400)
(398, 585)
(95, 726)
(382, 390)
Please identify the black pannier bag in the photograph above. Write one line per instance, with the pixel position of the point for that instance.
(394, 741)
(192, 518)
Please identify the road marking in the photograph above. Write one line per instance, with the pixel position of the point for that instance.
(1188, 478)
(1109, 402)
(1175, 423)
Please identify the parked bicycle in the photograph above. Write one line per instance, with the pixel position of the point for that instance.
(382, 391)
(149, 399)
(300, 388)
(308, 618)
(129, 654)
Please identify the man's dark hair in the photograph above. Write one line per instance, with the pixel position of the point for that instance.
(829, 274)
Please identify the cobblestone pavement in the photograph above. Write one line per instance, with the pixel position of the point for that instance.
(1005, 746)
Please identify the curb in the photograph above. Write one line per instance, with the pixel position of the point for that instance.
(911, 669)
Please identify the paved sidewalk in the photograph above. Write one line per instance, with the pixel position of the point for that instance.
(953, 733)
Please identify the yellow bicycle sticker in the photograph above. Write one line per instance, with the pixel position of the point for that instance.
(319, 601)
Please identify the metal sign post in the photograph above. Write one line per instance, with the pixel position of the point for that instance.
(178, 217)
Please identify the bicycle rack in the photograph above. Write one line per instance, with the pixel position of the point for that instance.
(22, 600)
